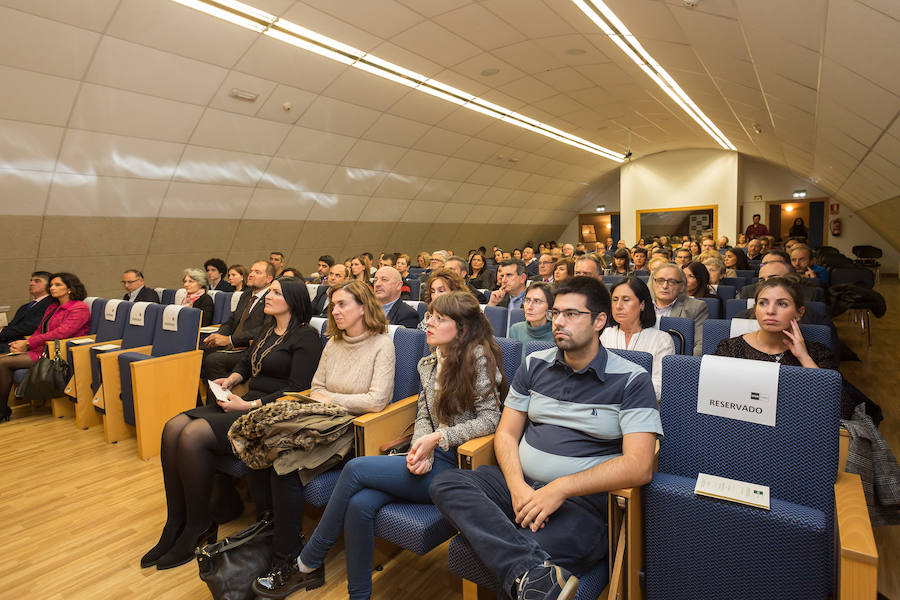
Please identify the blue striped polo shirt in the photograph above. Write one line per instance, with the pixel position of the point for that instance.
(576, 419)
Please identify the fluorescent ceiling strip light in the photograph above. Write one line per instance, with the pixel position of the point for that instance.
(251, 18)
(601, 15)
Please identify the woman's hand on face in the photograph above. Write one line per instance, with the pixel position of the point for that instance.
(793, 341)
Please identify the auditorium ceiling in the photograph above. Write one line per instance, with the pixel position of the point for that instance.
(128, 107)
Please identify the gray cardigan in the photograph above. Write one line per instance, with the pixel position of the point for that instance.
(461, 428)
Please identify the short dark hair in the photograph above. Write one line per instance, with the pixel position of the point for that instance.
(683, 250)
(281, 254)
(517, 263)
(45, 275)
(137, 273)
(546, 289)
(327, 259)
(622, 253)
(639, 251)
(297, 273)
(757, 215)
(780, 254)
(595, 293)
(218, 264)
(368, 254)
(642, 293)
(76, 288)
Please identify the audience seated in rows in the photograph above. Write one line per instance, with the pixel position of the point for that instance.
(735, 260)
(670, 299)
(65, 316)
(715, 267)
(388, 285)
(283, 357)
(194, 281)
(455, 263)
(133, 281)
(356, 372)
(29, 315)
(563, 269)
(541, 513)
(479, 275)
(459, 402)
(804, 262)
(632, 325)
(530, 261)
(697, 277)
(239, 331)
(215, 275)
(440, 282)
(536, 326)
(589, 266)
(545, 269)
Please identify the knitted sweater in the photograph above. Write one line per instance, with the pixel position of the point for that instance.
(357, 372)
(525, 333)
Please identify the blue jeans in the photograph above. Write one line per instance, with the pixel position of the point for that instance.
(366, 484)
(478, 503)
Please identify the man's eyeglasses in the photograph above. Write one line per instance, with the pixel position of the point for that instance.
(130, 282)
(569, 313)
(663, 282)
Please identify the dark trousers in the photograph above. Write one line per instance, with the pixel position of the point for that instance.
(478, 503)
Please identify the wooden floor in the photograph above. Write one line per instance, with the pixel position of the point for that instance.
(77, 513)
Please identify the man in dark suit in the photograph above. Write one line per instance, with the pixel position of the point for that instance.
(388, 282)
(545, 269)
(29, 315)
(133, 280)
(531, 263)
(336, 274)
(774, 265)
(225, 348)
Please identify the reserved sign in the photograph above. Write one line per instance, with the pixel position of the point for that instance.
(735, 388)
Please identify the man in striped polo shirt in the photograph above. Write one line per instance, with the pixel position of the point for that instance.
(578, 421)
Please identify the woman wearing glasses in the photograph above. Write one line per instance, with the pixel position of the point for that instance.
(670, 299)
(536, 327)
(462, 387)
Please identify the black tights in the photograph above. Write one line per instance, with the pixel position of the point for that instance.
(286, 500)
(9, 364)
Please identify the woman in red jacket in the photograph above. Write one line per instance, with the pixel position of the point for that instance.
(65, 318)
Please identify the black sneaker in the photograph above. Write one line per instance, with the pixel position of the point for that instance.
(547, 582)
(283, 580)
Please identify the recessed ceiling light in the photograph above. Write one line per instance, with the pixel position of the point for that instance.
(243, 95)
(604, 18)
(489, 72)
(576, 51)
(246, 16)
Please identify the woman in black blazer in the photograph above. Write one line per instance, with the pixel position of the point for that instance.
(194, 281)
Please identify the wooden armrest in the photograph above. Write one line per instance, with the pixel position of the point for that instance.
(843, 449)
(626, 543)
(858, 558)
(375, 429)
(283, 398)
(477, 452)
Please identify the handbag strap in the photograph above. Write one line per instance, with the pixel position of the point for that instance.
(235, 541)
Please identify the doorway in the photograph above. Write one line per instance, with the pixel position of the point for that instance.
(596, 227)
(808, 214)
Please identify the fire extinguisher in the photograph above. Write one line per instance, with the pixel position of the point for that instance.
(836, 227)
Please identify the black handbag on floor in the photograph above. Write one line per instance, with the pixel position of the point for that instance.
(230, 566)
(48, 377)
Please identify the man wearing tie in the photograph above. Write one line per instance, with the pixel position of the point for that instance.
(237, 333)
(133, 280)
(512, 288)
(29, 315)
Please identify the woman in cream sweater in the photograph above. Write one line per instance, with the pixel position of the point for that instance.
(466, 364)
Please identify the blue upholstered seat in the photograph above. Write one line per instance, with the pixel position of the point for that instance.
(497, 317)
(714, 305)
(512, 356)
(221, 305)
(168, 296)
(643, 359)
(684, 327)
(133, 336)
(699, 547)
(716, 330)
(725, 292)
(516, 315)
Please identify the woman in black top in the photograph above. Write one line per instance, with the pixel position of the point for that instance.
(479, 275)
(779, 306)
(798, 229)
(284, 357)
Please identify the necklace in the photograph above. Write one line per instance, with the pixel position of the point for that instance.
(257, 357)
(775, 357)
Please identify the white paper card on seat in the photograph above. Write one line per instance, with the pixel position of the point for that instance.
(317, 323)
(751, 302)
(235, 298)
(312, 289)
(137, 313)
(392, 329)
(170, 317)
(159, 292)
(212, 293)
(180, 295)
(209, 329)
(734, 388)
(111, 308)
(89, 301)
(78, 341)
(107, 347)
(733, 490)
(742, 326)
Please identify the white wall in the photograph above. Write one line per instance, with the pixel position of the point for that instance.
(856, 232)
(696, 177)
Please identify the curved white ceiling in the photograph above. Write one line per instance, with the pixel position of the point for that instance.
(127, 105)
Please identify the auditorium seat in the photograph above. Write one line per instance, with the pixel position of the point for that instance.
(512, 356)
(737, 305)
(414, 285)
(167, 296)
(716, 330)
(516, 315)
(419, 306)
(737, 282)
(497, 317)
(158, 385)
(704, 548)
(221, 305)
(714, 305)
(140, 329)
(109, 329)
(725, 292)
(682, 331)
(749, 275)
